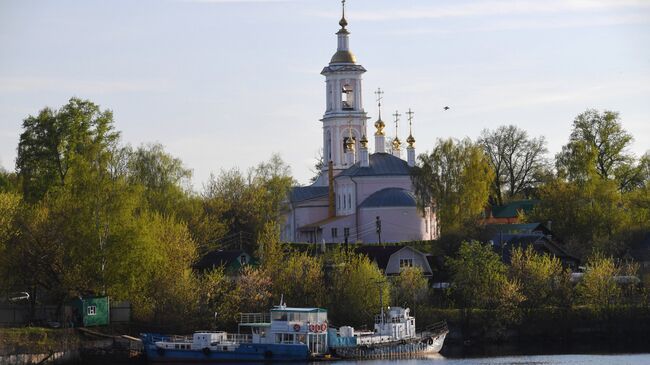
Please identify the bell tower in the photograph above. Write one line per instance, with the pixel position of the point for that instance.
(344, 118)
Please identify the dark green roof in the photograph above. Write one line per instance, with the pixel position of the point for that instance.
(512, 209)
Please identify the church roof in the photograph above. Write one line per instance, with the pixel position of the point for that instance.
(381, 164)
(389, 197)
(301, 193)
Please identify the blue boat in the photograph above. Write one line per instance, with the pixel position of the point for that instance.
(285, 334)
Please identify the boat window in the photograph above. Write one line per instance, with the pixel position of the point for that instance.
(279, 316)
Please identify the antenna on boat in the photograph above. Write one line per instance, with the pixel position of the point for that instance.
(282, 303)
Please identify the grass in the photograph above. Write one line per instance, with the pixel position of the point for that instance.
(35, 340)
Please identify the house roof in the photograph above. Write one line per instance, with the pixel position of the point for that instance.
(512, 209)
(218, 258)
(505, 243)
(380, 164)
(321, 223)
(389, 197)
(302, 193)
(380, 254)
(517, 228)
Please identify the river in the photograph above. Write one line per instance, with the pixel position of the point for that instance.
(615, 359)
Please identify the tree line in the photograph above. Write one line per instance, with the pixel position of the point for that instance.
(85, 214)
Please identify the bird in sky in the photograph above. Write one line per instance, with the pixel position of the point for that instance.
(446, 108)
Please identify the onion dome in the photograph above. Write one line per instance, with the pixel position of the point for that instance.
(364, 141)
(410, 140)
(380, 125)
(397, 144)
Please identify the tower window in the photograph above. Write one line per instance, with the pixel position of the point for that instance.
(347, 97)
(335, 232)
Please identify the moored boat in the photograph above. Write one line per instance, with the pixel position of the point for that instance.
(394, 335)
(285, 334)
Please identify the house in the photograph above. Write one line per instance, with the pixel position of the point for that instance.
(231, 260)
(391, 259)
(504, 243)
(508, 213)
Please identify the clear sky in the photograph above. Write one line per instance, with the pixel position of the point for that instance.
(225, 83)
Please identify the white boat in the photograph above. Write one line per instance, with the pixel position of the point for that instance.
(394, 335)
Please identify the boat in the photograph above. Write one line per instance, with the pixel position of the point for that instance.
(394, 335)
(284, 334)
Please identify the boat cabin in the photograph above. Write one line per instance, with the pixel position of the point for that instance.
(396, 323)
(288, 325)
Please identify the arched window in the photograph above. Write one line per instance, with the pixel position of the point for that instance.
(347, 97)
(328, 148)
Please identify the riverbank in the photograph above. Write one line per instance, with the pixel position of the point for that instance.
(33, 345)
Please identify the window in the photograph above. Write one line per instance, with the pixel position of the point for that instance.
(284, 338)
(405, 263)
(346, 232)
(91, 310)
(350, 201)
(335, 232)
(347, 97)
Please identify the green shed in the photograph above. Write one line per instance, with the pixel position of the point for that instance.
(92, 311)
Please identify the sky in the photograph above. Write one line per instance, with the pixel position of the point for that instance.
(226, 83)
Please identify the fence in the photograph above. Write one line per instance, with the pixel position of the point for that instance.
(15, 315)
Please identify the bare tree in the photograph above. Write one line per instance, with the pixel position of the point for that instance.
(518, 161)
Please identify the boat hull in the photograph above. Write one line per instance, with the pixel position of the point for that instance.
(243, 353)
(416, 347)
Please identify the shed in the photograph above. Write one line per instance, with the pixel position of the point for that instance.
(92, 311)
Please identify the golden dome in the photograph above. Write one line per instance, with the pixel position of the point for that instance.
(397, 144)
(410, 140)
(349, 143)
(379, 124)
(364, 141)
(343, 57)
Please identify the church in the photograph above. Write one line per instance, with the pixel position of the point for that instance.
(359, 197)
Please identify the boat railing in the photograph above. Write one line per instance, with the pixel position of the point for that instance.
(239, 338)
(254, 318)
(436, 329)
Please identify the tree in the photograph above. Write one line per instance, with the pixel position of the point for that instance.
(251, 200)
(586, 215)
(478, 275)
(518, 161)
(410, 288)
(543, 280)
(598, 287)
(53, 141)
(454, 178)
(598, 147)
(356, 286)
(164, 178)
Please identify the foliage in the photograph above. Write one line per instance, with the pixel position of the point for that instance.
(410, 288)
(54, 141)
(455, 179)
(598, 287)
(356, 285)
(215, 287)
(164, 178)
(479, 276)
(542, 278)
(518, 161)
(598, 147)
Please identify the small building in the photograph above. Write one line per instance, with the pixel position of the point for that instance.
(392, 259)
(504, 244)
(91, 311)
(231, 260)
(509, 213)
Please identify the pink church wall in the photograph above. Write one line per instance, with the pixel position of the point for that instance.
(398, 224)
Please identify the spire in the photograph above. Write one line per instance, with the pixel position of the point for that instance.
(379, 124)
(396, 142)
(343, 54)
(410, 140)
(343, 23)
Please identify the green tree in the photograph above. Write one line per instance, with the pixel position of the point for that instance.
(478, 276)
(164, 178)
(598, 287)
(543, 279)
(454, 178)
(517, 160)
(53, 141)
(356, 284)
(598, 147)
(410, 288)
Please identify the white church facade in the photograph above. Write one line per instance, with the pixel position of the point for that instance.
(359, 196)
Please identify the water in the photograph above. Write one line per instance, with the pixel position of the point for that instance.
(617, 359)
